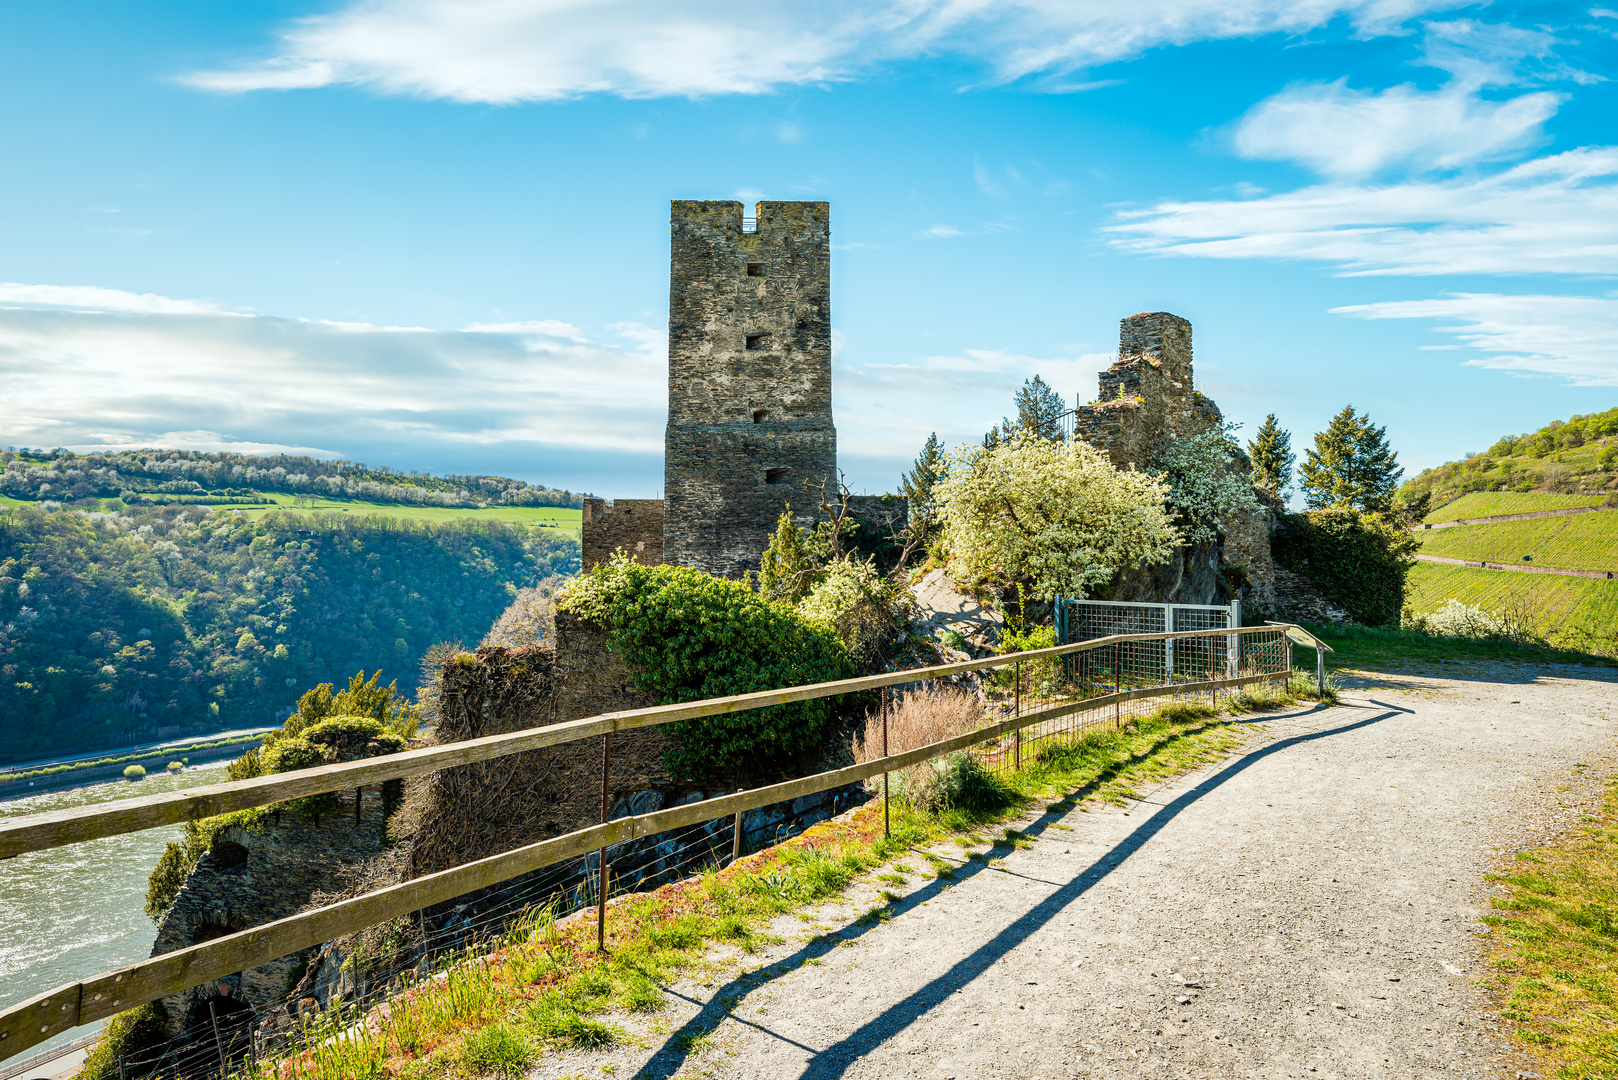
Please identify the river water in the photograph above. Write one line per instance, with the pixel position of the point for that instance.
(75, 911)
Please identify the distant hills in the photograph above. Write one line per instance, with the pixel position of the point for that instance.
(1578, 456)
(190, 476)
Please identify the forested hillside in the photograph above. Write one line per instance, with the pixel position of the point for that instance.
(1575, 456)
(119, 626)
(192, 475)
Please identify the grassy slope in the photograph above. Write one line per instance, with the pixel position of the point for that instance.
(1577, 542)
(1489, 503)
(1578, 613)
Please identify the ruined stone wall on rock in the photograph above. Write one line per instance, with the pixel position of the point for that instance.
(1146, 400)
(634, 526)
(750, 419)
(254, 875)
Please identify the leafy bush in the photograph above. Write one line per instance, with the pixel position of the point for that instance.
(1209, 481)
(1055, 516)
(135, 772)
(129, 1034)
(1358, 561)
(292, 754)
(688, 635)
(1460, 620)
(866, 609)
(176, 766)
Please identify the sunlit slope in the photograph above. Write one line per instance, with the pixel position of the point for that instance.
(1493, 503)
(1573, 542)
(1571, 612)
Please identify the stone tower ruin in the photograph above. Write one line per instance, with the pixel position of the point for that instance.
(750, 420)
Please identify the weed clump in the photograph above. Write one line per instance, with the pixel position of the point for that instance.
(499, 1049)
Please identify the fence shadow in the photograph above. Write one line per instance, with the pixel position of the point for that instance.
(836, 1059)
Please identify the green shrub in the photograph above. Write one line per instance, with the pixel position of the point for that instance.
(135, 772)
(689, 636)
(1358, 561)
(291, 754)
(351, 734)
(866, 609)
(176, 766)
(128, 1034)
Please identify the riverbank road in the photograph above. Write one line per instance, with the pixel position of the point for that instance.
(1307, 907)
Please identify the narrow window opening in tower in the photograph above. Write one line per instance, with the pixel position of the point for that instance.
(775, 476)
(755, 269)
(756, 341)
(759, 415)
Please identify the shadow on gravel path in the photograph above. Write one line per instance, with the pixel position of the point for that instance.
(835, 1059)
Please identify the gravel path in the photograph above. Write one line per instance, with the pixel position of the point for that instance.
(1306, 908)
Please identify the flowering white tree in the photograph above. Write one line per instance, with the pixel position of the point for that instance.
(1056, 516)
(1206, 480)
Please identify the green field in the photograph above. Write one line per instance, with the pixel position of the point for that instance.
(561, 518)
(554, 516)
(1576, 542)
(1574, 613)
(1491, 503)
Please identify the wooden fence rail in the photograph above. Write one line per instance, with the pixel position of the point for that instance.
(78, 824)
(32, 1021)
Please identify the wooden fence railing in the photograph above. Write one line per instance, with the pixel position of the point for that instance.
(30, 1022)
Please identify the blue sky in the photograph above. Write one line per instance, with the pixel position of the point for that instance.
(433, 234)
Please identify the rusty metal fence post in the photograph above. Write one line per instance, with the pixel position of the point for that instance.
(219, 1043)
(1016, 751)
(601, 855)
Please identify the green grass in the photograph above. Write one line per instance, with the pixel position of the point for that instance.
(563, 518)
(1555, 947)
(1577, 542)
(554, 516)
(1491, 503)
(1363, 648)
(1571, 613)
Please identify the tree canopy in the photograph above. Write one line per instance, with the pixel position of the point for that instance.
(1272, 457)
(1352, 465)
(1056, 517)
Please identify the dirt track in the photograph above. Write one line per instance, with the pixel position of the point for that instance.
(1306, 908)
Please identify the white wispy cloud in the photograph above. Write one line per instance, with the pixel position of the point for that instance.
(88, 366)
(1338, 131)
(96, 298)
(1556, 214)
(505, 51)
(1573, 337)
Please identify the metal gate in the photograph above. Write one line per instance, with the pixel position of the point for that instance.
(1148, 663)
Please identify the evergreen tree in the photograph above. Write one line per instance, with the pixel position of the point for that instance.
(917, 488)
(1038, 407)
(1351, 464)
(787, 570)
(1272, 458)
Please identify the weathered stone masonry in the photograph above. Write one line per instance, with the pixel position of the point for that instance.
(634, 526)
(750, 420)
(1145, 400)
